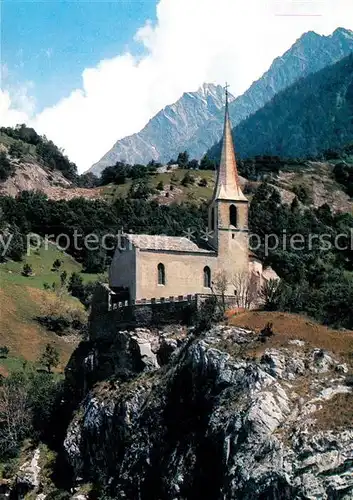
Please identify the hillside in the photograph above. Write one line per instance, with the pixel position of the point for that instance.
(309, 54)
(316, 178)
(311, 116)
(23, 299)
(195, 122)
(27, 164)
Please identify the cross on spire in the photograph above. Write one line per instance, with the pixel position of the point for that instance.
(227, 93)
(227, 184)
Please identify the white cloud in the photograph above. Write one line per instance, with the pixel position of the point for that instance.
(193, 41)
(11, 111)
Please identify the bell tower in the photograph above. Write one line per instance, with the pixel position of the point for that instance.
(228, 209)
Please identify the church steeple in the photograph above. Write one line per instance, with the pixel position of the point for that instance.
(228, 210)
(227, 184)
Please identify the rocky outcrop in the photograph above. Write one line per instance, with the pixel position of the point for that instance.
(27, 479)
(31, 176)
(201, 417)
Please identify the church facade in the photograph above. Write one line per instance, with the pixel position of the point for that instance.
(147, 266)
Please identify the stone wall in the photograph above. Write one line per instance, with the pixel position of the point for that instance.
(108, 316)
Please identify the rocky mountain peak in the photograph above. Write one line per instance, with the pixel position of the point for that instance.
(195, 122)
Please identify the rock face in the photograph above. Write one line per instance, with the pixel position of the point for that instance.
(195, 122)
(200, 418)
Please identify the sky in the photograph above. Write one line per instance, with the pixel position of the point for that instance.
(87, 73)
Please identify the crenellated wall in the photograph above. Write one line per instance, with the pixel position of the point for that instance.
(109, 315)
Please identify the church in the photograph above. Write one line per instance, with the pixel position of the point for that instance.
(152, 266)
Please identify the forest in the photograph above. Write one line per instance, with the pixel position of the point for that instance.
(317, 281)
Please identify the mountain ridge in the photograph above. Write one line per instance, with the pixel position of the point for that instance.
(175, 121)
(309, 53)
(309, 117)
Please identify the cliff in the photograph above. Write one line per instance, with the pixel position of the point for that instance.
(225, 414)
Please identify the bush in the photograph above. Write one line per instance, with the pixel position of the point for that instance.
(18, 149)
(6, 169)
(187, 180)
(4, 352)
(56, 265)
(27, 270)
(50, 357)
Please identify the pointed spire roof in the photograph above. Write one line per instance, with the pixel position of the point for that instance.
(227, 184)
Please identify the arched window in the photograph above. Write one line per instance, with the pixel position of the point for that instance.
(213, 221)
(207, 277)
(233, 216)
(161, 274)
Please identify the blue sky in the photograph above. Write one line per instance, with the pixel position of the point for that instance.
(50, 42)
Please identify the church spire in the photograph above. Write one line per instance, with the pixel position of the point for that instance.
(227, 184)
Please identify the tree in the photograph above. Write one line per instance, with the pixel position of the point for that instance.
(15, 414)
(56, 265)
(17, 246)
(160, 186)
(50, 357)
(18, 149)
(220, 284)
(207, 164)
(193, 164)
(88, 180)
(187, 180)
(271, 294)
(63, 278)
(27, 270)
(141, 189)
(4, 351)
(183, 159)
(75, 286)
(6, 168)
(245, 286)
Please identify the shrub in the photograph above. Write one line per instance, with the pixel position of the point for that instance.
(4, 351)
(18, 149)
(27, 270)
(56, 265)
(203, 182)
(187, 180)
(6, 169)
(50, 357)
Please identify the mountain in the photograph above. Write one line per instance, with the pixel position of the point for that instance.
(313, 115)
(164, 135)
(309, 54)
(195, 122)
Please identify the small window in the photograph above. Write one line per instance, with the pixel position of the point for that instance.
(207, 277)
(161, 274)
(213, 219)
(233, 216)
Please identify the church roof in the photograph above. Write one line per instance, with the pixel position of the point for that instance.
(166, 243)
(227, 184)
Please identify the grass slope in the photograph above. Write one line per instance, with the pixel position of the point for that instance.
(180, 193)
(288, 326)
(23, 299)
